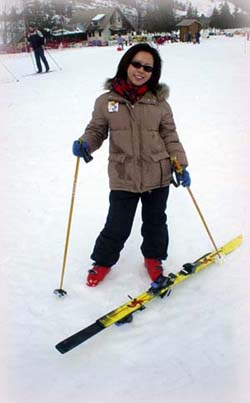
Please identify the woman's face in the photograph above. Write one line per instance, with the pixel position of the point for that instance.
(137, 74)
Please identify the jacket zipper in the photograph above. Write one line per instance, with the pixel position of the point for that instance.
(131, 111)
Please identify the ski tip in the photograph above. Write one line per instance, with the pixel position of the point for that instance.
(237, 240)
(60, 347)
(232, 245)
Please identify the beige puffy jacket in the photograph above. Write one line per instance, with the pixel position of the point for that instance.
(142, 138)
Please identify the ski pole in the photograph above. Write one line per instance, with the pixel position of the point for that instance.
(52, 58)
(87, 158)
(32, 61)
(178, 168)
(60, 291)
(10, 72)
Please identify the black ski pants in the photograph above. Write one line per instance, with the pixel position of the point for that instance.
(39, 55)
(119, 223)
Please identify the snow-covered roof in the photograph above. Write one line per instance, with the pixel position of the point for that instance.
(98, 17)
(60, 32)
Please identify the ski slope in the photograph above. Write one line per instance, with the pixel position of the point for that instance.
(193, 346)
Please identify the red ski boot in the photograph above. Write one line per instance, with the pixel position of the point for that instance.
(96, 275)
(153, 267)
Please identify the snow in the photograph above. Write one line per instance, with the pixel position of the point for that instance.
(206, 7)
(193, 346)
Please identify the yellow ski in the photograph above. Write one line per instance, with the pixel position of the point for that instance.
(159, 288)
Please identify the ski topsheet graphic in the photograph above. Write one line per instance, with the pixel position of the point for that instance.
(159, 288)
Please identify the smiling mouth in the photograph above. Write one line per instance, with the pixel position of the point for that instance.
(139, 77)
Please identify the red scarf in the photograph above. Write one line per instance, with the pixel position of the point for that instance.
(129, 91)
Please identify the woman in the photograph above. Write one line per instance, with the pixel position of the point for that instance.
(142, 135)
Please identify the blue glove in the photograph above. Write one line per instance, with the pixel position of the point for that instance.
(79, 148)
(184, 178)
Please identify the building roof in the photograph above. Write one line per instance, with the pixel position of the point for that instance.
(187, 22)
(98, 18)
(61, 32)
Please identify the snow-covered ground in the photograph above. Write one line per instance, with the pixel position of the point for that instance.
(192, 347)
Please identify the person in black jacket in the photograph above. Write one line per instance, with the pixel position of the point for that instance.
(36, 40)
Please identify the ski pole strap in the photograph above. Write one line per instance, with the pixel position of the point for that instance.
(86, 155)
(177, 169)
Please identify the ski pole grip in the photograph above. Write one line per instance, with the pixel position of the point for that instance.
(176, 165)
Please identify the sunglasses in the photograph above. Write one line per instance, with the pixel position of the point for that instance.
(138, 65)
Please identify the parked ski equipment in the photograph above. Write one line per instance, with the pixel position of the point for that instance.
(160, 288)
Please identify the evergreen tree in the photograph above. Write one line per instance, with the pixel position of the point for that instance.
(240, 19)
(36, 14)
(162, 19)
(215, 19)
(226, 18)
(190, 11)
(179, 5)
(169, 14)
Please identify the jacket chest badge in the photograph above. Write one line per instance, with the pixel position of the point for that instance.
(113, 106)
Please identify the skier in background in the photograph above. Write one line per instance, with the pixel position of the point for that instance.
(137, 118)
(36, 39)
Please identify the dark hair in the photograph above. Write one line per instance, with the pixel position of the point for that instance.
(128, 57)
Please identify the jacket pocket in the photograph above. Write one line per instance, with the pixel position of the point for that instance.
(120, 169)
(157, 170)
(117, 157)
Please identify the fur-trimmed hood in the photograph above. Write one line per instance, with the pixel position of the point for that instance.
(162, 91)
